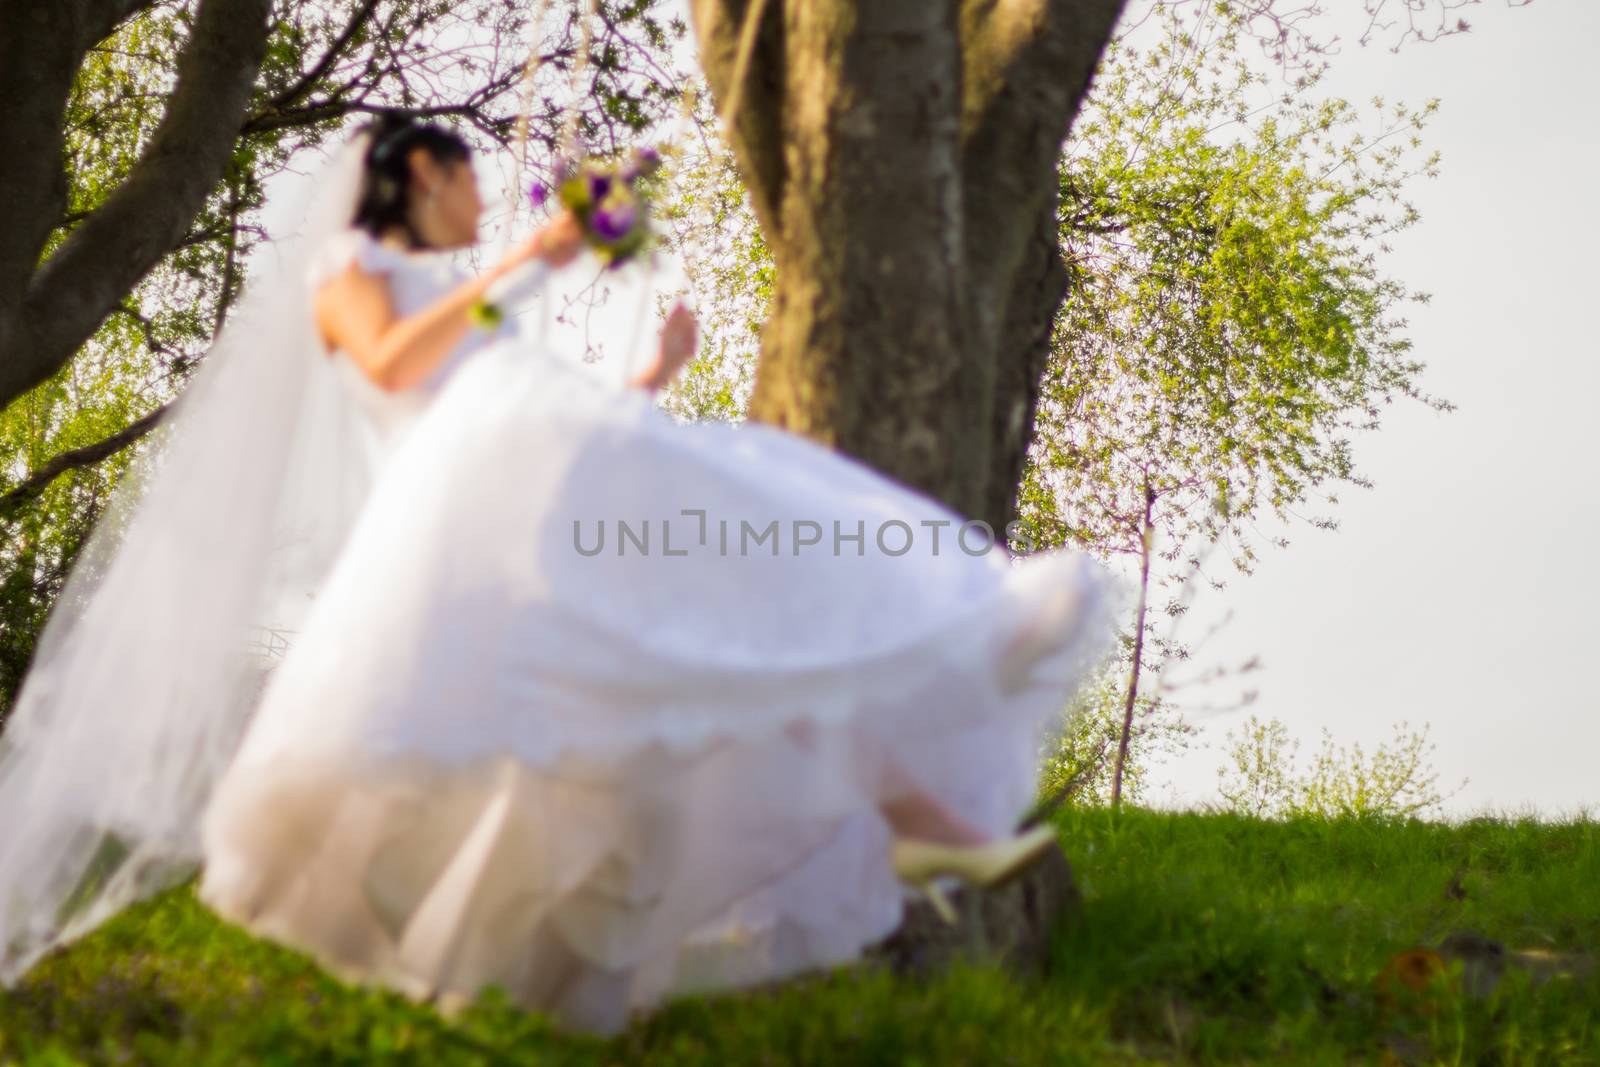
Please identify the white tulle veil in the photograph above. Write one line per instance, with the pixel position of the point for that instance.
(151, 660)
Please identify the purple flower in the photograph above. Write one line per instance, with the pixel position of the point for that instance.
(599, 186)
(537, 192)
(613, 223)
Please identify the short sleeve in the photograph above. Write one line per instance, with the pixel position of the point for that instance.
(351, 246)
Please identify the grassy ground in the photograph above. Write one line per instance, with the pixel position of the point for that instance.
(1204, 939)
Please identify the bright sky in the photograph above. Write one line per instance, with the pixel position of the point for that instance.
(1457, 592)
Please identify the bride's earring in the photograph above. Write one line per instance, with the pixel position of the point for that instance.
(430, 205)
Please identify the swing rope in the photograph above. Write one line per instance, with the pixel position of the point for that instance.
(566, 137)
(748, 30)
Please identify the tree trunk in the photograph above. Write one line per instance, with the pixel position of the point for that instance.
(1146, 543)
(901, 157)
(869, 343)
(1010, 924)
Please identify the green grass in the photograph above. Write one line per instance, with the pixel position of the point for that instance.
(1204, 939)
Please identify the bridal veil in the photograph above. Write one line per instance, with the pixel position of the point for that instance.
(150, 661)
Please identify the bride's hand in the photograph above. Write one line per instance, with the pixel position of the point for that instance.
(678, 340)
(557, 242)
(675, 349)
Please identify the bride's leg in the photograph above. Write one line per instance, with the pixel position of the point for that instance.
(918, 816)
(914, 812)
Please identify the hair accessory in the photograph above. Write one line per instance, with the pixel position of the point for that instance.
(386, 144)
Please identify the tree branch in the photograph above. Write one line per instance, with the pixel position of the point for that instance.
(1026, 68)
(72, 459)
(308, 81)
(103, 258)
(318, 112)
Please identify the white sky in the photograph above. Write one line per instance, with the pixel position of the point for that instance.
(1458, 591)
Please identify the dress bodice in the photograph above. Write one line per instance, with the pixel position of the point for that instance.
(415, 280)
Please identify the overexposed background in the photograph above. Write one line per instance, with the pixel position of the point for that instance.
(1460, 590)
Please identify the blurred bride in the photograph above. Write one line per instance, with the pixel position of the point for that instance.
(580, 701)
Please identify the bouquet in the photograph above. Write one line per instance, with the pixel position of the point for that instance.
(607, 201)
(608, 204)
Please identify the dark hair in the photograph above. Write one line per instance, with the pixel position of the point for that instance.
(385, 201)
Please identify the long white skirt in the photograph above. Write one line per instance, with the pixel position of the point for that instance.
(599, 776)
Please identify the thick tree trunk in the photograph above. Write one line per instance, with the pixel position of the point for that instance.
(868, 345)
(901, 157)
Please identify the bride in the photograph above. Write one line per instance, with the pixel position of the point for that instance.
(577, 700)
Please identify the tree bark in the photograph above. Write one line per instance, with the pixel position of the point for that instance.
(40, 47)
(47, 311)
(901, 158)
(1010, 924)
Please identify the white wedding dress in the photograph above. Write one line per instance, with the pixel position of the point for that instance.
(493, 754)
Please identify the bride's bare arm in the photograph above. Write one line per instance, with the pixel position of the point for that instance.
(355, 313)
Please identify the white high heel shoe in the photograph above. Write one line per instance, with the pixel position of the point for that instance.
(919, 862)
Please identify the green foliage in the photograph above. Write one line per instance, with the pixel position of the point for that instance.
(1343, 782)
(1259, 778)
(1207, 939)
(1078, 767)
(1228, 328)
(705, 218)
